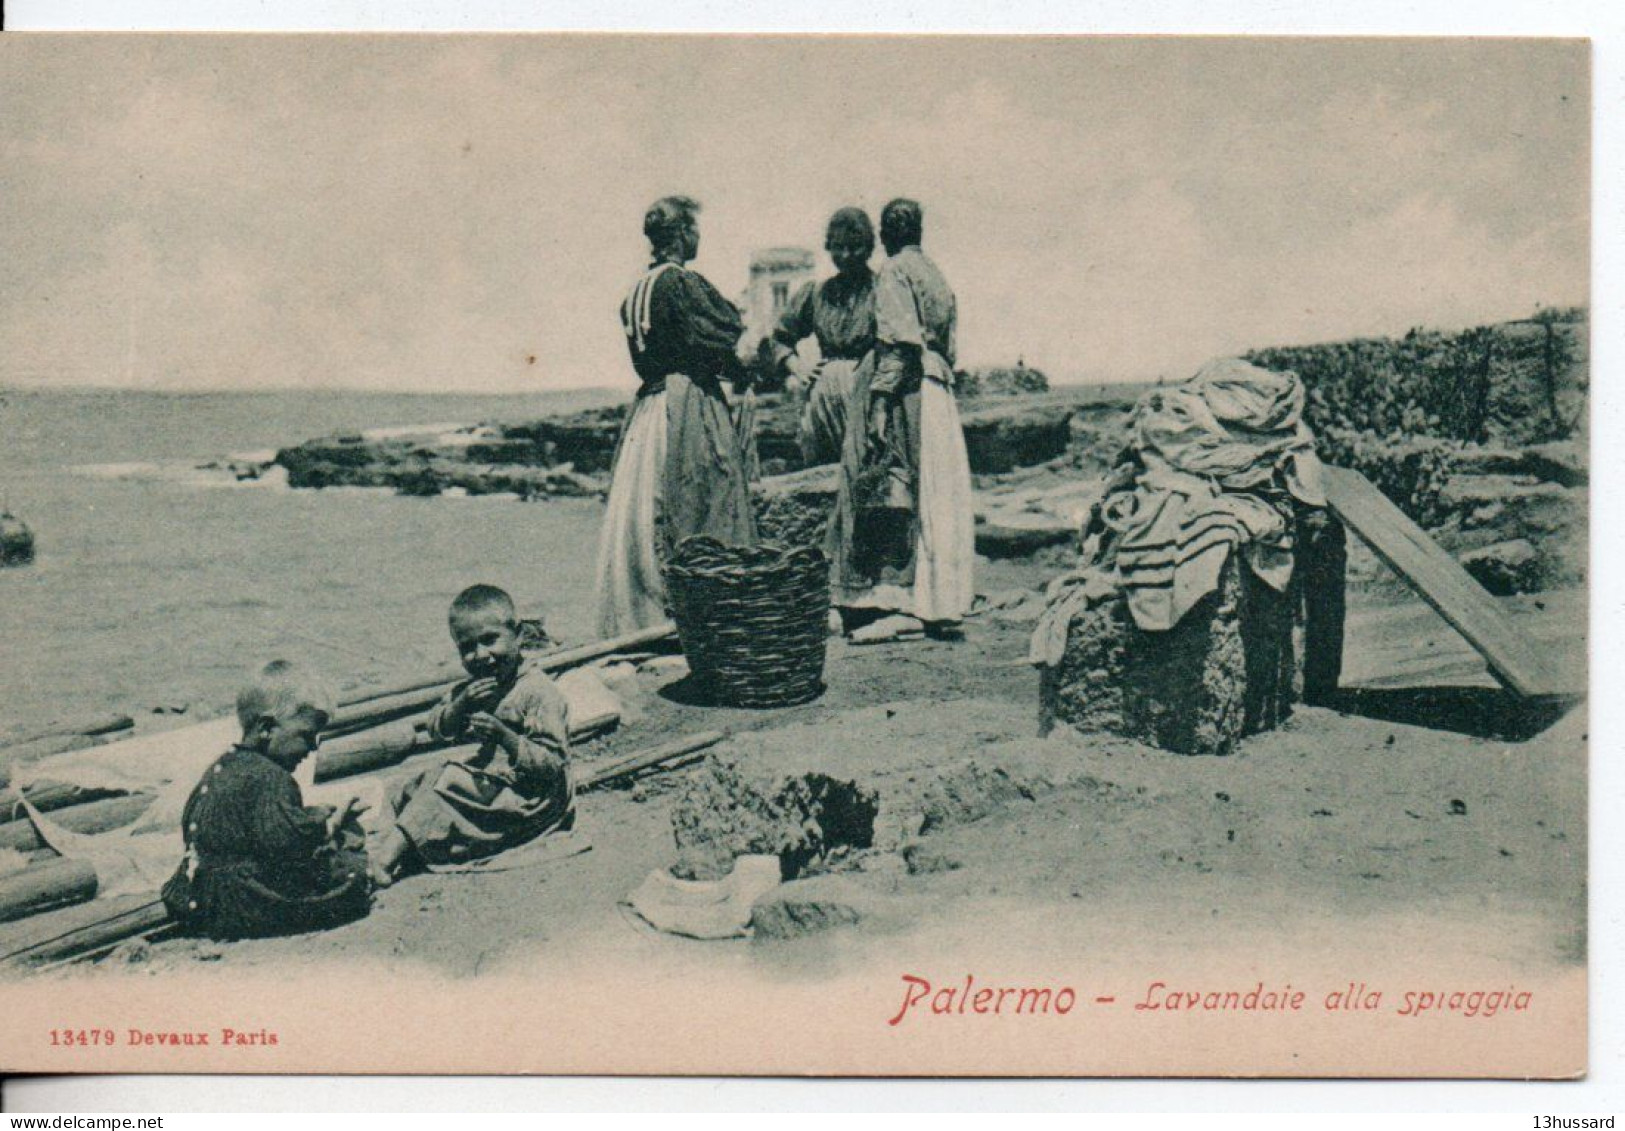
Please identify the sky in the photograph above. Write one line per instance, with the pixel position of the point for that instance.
(445, 213)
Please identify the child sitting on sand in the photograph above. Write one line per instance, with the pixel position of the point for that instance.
(258, 860)
(516, 786)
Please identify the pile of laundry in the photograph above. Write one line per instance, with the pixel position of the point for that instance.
(1216, 466)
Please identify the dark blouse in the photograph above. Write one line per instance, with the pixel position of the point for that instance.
(677, 322)
(263, 860)
(839, 312)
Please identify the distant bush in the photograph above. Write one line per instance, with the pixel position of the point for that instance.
(1000, 381)
(1397, 409)
(1411, 471)
(1514, 382)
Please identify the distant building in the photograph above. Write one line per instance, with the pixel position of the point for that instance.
(775, 274)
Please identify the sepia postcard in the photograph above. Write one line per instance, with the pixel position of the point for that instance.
(794, 555)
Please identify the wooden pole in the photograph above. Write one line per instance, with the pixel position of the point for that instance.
(381, 709)
(572, 657)
(43, 748)
(93, 725)
(45, 887)
(668, 756)
(49, 796)
(362, 754)
(85, 940)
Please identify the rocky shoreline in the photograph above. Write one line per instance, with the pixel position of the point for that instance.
(1515, 516)
(572, 454)
(1064, 434)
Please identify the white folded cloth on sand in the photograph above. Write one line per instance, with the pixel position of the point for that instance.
(706, 909)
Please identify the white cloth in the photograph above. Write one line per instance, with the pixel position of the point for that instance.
(631, 590)
(1213, 455)
(706, 909)
(944, 581)
(1178, 531)
(1235, 424)
(140, 856)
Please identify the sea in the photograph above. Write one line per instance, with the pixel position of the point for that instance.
(160, 583)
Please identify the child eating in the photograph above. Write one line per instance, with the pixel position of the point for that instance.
(516, 786)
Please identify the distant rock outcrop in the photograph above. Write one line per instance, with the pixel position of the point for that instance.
(573, 454)
(16, 541)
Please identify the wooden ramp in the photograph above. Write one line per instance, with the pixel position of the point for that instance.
(1440, 581)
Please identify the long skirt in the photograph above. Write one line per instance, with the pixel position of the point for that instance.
(631, 591)
(454, 813)
(945, 546)
(822, 432)
(678, 473)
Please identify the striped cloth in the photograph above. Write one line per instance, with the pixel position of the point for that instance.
(635, 310)
(1214, 466)
(1176, 532)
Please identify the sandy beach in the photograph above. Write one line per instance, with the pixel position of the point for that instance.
(1340, 827)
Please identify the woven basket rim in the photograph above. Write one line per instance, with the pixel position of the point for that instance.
(704, 556)
(752, 619)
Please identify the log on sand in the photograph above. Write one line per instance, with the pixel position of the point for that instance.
(49, 796)
(367, 751)
(668, 756)
(90, 724)
(93, 726)
(94, 938)
(13, 756)
(379, 710)
(45, 887)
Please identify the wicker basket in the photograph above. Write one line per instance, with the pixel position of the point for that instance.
(752, 620)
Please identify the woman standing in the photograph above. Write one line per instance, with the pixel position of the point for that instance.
(840, 314)
(678, 470)
(903, 539)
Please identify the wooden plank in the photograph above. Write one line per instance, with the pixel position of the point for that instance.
(1440, 581)
(661, 757)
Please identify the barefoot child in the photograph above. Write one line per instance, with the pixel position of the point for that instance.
(258, 860)
(516, 786)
